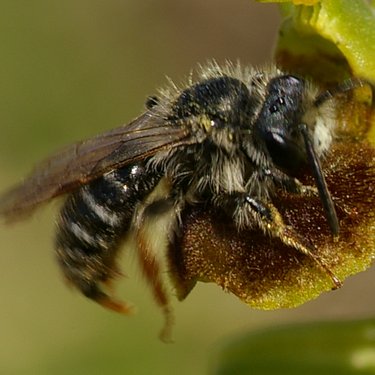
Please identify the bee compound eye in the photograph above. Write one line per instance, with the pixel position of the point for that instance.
(288, 154)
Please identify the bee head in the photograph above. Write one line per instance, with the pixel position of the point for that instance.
(276, 128)
(293, 130)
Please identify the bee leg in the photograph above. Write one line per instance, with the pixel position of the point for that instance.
(293, 185)
(249, 210)
(96, 293)
(151, 266)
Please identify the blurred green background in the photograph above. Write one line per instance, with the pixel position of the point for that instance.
(69, 70)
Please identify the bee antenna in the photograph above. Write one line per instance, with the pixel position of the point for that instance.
(325, 196)
(347, 85)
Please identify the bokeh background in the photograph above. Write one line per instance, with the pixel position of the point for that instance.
(69, 70)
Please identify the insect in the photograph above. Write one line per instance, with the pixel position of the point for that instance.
(231, 138)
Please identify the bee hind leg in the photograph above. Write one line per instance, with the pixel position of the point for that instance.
(92, 276)
(96, 293)
(151, 266)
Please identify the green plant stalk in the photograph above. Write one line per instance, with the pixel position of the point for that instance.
(341, 26)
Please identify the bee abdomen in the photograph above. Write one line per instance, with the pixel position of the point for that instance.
(92, 223)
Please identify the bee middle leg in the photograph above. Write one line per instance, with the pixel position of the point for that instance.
(247, 211)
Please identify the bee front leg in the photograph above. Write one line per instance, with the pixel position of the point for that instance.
(248, 211)
(293, 185)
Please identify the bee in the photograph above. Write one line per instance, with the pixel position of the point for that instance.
(230, 139)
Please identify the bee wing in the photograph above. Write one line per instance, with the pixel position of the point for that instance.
(84, 161)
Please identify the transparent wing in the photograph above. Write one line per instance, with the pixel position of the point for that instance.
(84, 161)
